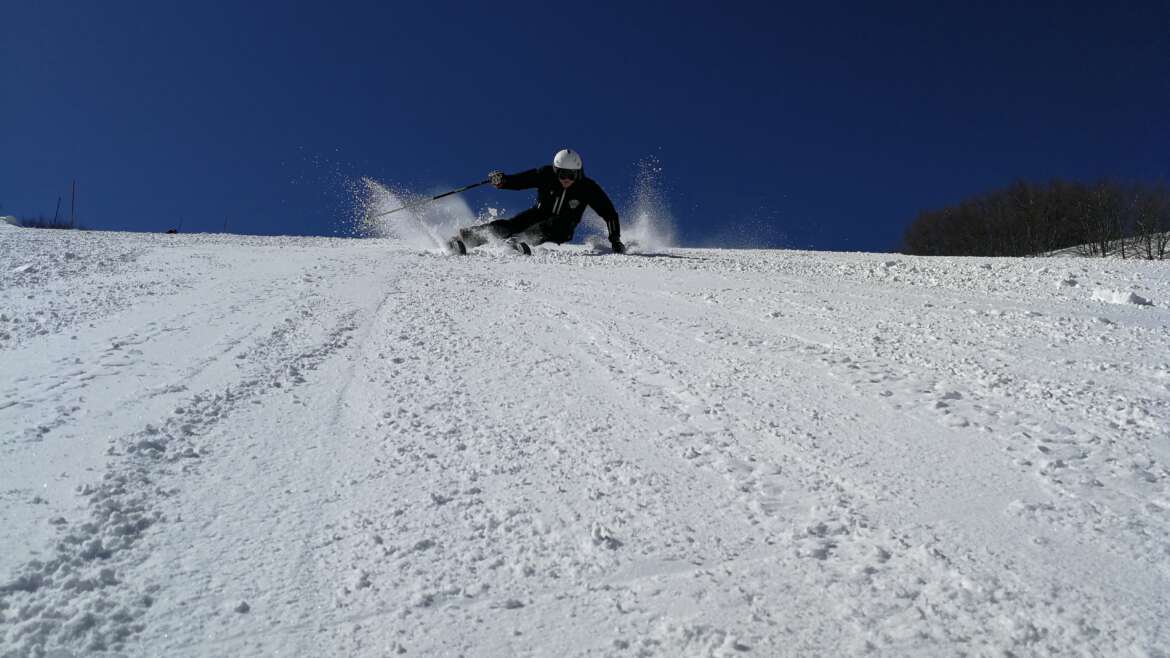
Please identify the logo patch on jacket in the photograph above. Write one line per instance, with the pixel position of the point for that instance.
(573, 203)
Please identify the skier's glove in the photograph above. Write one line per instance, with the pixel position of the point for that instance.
(496, 177)
(618, 247)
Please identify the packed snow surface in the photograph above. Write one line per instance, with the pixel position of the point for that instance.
(242, 446)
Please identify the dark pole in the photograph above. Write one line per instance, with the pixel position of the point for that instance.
(57, 212)
(434, 198)
(73, 204)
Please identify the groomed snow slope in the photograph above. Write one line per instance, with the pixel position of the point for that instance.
(223, 445)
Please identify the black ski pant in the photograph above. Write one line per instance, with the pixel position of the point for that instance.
(531, 226)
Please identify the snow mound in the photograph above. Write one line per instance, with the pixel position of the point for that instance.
(1120, 297)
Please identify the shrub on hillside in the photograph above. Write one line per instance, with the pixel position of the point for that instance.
(46, 222)
(1100, 219)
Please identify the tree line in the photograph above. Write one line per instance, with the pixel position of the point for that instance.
(47, 222)
(1106, 218)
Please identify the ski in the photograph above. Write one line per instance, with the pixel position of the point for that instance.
(521, 247)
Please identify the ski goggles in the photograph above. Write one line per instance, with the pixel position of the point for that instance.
(568, 174)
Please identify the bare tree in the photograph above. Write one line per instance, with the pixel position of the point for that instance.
(1151, 213)
(1100, 219)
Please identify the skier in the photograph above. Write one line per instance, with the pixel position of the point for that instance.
(562, 192)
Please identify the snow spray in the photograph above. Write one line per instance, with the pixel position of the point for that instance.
(758, 230)
(648, 223)
(427, 226)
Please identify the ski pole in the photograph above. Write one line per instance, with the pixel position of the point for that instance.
(434, 198)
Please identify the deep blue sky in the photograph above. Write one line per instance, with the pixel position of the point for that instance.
(826, 127)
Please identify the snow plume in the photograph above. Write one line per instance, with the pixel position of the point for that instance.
(757, 231)
(648, 222)
(426, 226)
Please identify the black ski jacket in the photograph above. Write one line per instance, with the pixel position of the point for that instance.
(566, 205)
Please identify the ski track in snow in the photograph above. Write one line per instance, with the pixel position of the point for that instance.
(227, 445)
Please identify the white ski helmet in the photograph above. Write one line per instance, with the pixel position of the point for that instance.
(567, 159)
